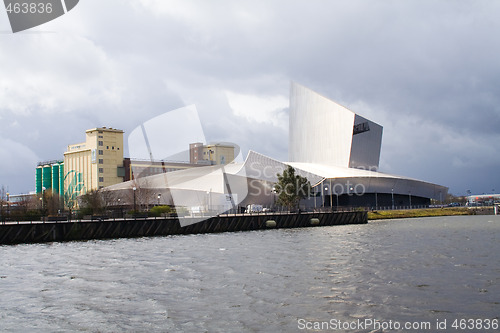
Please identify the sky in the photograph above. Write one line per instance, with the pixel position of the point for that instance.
(428, 71)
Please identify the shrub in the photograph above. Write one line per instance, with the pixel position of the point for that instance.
(159, 210)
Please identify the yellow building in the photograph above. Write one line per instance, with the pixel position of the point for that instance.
(211, 154)
(218, 153)
(95, 163)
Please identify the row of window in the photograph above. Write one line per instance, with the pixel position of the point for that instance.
(152, 170)
(101, 144)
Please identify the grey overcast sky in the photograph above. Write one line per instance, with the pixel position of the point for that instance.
(428, 71)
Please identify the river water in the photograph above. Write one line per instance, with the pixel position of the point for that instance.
(397, 272)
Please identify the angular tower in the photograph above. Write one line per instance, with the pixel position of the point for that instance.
(324, 132)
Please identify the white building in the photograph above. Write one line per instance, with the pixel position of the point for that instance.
(337, 150)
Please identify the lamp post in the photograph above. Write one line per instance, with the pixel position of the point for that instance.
(134, 189)
(337, 195)
(42, 199)
(209, 194)
(376, 201)
(273, 190)
(331, 203)
(159, 196)
(325, 189)
(392, 196)
(409, 194)
(314, 193)
(120, 207)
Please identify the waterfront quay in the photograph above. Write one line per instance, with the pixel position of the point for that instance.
(57, 231)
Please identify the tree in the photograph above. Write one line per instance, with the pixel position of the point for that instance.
(3, 203)
(291, 188)
(51, 202)
(91, 203)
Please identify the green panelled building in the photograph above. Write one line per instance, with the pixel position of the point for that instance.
(50, 176)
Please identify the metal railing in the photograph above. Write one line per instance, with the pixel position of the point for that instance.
(269, 210)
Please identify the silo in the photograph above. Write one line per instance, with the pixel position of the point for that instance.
(61, 179)
(38, 179)
(55, 179)
(46, 177)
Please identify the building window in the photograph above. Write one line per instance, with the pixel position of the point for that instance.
(101, 152)
(101, 161)
(107, 147)
(101, 170)
(100, 136)
(101, 179)
(101, 143)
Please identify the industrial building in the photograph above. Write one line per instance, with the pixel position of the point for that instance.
(337, 150)
(483, 199)
(199, 155)
(211, 154)
(49, 175)
(98, 162)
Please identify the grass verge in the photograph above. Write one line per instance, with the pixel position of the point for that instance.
(426, 212)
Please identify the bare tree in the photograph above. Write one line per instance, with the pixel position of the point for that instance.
(109, 198)
(91, 203)
(52, 202)
(3, 203)
(145, 196)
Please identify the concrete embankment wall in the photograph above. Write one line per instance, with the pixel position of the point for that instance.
(85, 230)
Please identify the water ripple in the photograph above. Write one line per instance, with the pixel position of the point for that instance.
(401, 270)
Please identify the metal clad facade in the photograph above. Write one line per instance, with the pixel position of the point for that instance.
(365, 150)
(320, 129)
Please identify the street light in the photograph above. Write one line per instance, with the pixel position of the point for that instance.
(42, 200)
(121, 209)
(326, 189)
(392, 195)
(409, 194)
(209, 194)
(337, 195)
(159, 196)
(274, 196)
(331, 204)
(315, 193)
